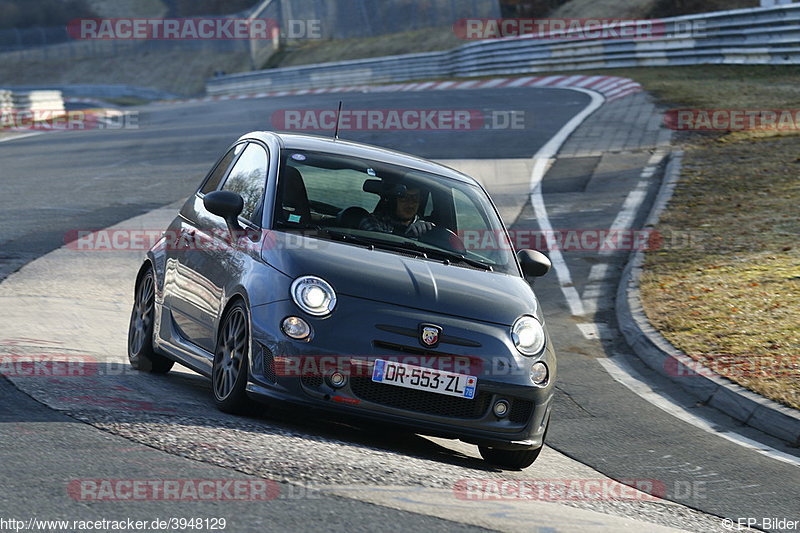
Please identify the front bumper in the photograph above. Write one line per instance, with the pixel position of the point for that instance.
(360, 331)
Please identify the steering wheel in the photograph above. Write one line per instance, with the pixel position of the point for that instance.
(443, 238)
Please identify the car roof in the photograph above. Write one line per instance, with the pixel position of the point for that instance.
(355, 149)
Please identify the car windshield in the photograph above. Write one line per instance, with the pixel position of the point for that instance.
(392, 208)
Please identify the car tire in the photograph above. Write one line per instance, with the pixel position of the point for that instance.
(141, 353)
(229, 372)
(512, 459)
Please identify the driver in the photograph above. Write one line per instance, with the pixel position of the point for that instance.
(401, 216)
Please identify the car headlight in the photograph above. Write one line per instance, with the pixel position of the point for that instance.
(528, 335)
(313, 295)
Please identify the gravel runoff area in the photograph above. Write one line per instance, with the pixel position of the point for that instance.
(330, 464)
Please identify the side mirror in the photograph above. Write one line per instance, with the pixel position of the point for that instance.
(225, 204)
(534, 264)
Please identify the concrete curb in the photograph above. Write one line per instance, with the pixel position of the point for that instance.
(649, 345)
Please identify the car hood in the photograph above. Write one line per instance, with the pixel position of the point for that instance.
(403, 280)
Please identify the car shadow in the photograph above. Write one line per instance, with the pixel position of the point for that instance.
(182, 397)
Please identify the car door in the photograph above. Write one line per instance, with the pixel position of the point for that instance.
(213, 259)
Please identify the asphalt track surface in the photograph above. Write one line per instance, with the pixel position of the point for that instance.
(55, 183)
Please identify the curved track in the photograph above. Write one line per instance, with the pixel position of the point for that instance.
(71, 304)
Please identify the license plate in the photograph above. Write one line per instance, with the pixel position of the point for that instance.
(427, 379)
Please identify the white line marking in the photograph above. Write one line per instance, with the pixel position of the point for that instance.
(598, 272)
(632, 203)
(624, 374)
(20, 136)
(628, 212)
(589, 330)
(541, 163)
(591, 292)
(596, 331)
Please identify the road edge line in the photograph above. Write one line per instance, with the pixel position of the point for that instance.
(542, 161)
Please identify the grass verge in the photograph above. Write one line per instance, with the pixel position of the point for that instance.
(731, 300)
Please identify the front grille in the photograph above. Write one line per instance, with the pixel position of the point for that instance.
(268, 364)
(416, 350)
(420, 401)
(520, 411)
(312, 382)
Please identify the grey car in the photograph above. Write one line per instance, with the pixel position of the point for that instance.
(330, 275)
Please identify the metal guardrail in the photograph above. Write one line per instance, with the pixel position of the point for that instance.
(17, 101)
(14, 104)
(743, 36)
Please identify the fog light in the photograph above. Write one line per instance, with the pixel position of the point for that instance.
(296, 328)
(338, 379)
(500, 408)
(539, 373)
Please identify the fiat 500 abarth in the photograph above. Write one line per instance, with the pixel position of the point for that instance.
(345, 277)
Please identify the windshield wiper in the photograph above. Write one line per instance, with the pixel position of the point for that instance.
(426, 251)
(366, 241)
(421, 251)
(450, 256)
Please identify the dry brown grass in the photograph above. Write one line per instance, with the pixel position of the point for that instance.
(315, 51)
(732, 300)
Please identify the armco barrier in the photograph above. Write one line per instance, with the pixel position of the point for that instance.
(38, 101)
(743, 36)
(15, 102)
(6, 103)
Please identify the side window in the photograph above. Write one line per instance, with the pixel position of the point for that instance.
(248, 177)
(468, 216)
(212, 183)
